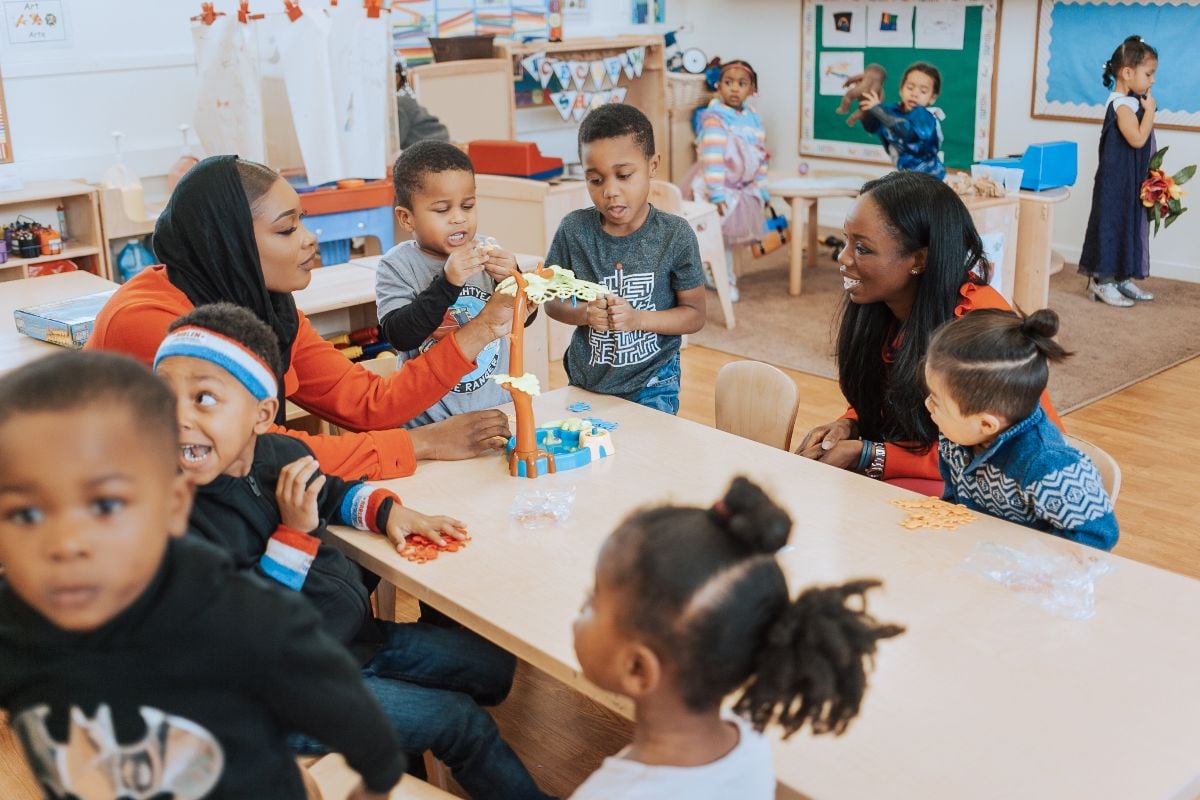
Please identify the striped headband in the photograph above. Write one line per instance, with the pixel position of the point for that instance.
(231, 356)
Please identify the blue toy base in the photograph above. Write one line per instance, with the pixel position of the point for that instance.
(571, 448)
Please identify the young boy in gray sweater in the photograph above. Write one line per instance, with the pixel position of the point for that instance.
(444, 276)
(627, 341)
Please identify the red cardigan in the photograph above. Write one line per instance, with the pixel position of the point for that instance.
(904, 463)
(320, 380)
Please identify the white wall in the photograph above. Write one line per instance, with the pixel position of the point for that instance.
(767, 34)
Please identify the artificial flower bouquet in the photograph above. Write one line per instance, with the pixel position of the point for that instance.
(1161, 194)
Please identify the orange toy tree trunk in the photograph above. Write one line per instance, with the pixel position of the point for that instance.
(526, 450)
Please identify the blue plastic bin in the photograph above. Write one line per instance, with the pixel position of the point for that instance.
(1047, 165)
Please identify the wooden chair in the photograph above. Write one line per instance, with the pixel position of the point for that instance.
(757, 401)
(705, 222)
(1110, 470)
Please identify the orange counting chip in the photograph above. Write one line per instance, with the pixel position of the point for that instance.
(930, 512)
(418, 549)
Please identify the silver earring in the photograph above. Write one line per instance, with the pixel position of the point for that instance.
(914, 272)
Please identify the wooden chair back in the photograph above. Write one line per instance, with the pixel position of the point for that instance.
(1110, 470)
(757, 401)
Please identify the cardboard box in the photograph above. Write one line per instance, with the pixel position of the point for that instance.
(64, 322)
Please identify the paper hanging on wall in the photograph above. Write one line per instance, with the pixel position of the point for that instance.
(612, 65)
(562, 71)
(889, 25)
(579, 73)
(563, 102)
(617, 95)
(836, 67)
(532, 64)
(229, 114)
(599, 73)
(626, 64)
(638, 56)
(545, 71)
(359, 53)
(843, 25)
(580, 107)
(941, 26)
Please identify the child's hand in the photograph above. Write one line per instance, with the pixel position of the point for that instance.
(404, 521)
(621, 315)
(869, 100)
(297, 498)
(1149, 103)
(497, 314)
(597, 314)
(463, 263)
(722, 208)
(361, 792)
(500, 264)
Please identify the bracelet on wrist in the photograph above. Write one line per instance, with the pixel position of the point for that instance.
(864, 456)
(878, 461)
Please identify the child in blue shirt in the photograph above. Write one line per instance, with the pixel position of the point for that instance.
(999, 453)
(910, 130)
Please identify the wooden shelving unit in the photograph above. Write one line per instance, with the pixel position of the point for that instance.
(647, 92)
(39, 200)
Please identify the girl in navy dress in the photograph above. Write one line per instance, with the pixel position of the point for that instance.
(1116, 248)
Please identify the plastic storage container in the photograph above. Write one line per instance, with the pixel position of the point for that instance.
(1047, 165)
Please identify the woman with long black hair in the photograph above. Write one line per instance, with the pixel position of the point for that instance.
(912, 261)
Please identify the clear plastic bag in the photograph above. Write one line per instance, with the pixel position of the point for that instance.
(1061, 582)
(542, 508)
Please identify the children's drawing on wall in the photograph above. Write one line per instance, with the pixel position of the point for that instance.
(6, 153)
(844, 25)
(229, 114)
(889, 25)
(837, 68)
(646, 11)
(28, 22)
(940, 26)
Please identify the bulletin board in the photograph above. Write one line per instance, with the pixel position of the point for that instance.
(1076, 37)
(959, 37)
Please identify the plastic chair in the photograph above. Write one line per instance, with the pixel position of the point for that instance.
(757, 401)
(1110, 470)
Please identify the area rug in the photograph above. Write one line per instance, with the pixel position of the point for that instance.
(1114, 347)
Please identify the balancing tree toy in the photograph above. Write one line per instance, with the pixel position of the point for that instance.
(537, 287)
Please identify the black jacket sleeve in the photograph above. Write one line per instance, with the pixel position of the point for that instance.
(313, 685)
(405, 328)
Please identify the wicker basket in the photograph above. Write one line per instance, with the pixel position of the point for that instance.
(686, 91)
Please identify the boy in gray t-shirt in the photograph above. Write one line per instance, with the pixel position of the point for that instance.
(440, 280)
(627, 342)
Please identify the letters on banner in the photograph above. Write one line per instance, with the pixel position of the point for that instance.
(572, 102)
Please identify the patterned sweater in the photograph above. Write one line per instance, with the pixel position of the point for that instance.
(1032, 477)
(717, 123)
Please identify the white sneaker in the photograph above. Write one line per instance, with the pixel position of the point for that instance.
(1134, 292)
(1107, 293)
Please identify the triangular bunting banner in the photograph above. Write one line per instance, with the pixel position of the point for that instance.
(617, 95)
(579, 73)
(638, 56)
(580, 106)
(545, 71)
(532, 64)
(564, 102)
(626, 64)
(562, 71)
(599, 99)
(612, 66)
(598, 74)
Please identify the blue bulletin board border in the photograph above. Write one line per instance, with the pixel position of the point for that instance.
(1066, 77)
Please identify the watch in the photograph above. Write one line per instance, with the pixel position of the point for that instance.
(878, 457)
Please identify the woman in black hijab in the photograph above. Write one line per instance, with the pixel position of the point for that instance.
(232, 232)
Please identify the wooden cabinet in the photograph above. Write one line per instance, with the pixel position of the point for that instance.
(39, 201)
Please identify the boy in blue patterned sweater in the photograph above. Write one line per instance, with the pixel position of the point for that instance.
(999, 453)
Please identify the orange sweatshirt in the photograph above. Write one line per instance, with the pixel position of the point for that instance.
(320, 380)
(904, 463)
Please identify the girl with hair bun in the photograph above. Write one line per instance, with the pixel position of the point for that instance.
(998, 452)
(1116, 247)
(690, 605)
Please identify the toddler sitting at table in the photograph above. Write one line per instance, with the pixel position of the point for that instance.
(998, 451)
(689, 605)
(262, 497)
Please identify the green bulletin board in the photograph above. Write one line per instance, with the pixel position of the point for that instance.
(966, 95)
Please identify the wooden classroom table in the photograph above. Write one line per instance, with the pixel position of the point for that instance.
(1031, 290)
(986, 695)
(802, 197)
(17, 348)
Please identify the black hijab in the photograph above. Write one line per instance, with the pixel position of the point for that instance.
(205, 237)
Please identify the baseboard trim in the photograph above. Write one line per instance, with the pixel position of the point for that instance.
(1173, 270)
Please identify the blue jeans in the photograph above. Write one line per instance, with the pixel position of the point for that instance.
(662, 391)
(430, 681)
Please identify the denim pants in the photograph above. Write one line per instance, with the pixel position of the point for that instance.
(662, 391)
(430, 681)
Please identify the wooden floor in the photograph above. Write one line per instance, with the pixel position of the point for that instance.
(1149, 428)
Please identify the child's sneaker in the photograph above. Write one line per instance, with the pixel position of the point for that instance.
(1107, 293)
(1134, 292)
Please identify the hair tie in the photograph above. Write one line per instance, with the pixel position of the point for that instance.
(720, 511)
(196, 342)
